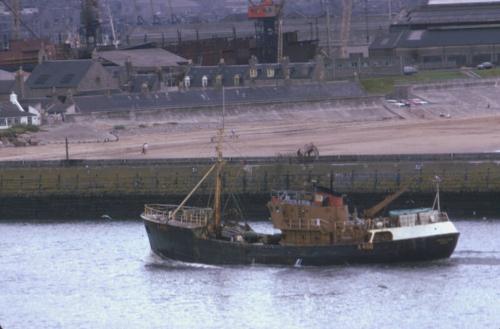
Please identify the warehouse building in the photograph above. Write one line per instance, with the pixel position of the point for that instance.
(443, 34)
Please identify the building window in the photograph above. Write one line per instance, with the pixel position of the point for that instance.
(218, 80)
(237, 80)
(3, 122)
(204, 81)
(270, 72)
(253, 73)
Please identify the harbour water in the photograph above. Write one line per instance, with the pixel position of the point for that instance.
(101, 274)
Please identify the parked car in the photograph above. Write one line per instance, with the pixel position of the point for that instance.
(418, 101)
(485, 66)
(409, 70)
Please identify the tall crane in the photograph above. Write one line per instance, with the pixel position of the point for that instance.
(15, 8)
(116, 42)
(173, 18)
(90, 22)
(139, 18)
(155, 19)
(268, 16)
(16, 11)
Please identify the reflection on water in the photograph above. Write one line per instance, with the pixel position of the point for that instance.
(102, 275)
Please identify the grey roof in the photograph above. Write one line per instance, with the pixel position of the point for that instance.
(8, 110)
(58, 108)
(437, 38)
(212, 97)
(478, 13)
(43, 101)
(59, 74)
(153, 57)
(6, 75)
(228, 72)
(6, 86)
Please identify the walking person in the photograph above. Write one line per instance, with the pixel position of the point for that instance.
(145, 148)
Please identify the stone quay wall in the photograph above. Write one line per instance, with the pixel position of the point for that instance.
(468, 175)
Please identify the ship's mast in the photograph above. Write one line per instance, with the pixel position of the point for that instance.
(220, 164)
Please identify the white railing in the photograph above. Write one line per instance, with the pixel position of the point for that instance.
(163, 213)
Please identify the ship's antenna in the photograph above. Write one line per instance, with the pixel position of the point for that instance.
(437, 200)
(223, 107)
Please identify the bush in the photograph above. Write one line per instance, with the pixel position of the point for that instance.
(17, 130)
(119, 127)
(142, 125)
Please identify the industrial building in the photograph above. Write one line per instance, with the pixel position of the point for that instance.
(443, 34)
(60, 78)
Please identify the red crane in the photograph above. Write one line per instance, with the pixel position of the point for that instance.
(265, 9)
(268, 28)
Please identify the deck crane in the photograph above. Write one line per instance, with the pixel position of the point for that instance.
(373, 211)
(268, 16)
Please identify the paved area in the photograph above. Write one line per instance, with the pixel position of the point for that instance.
(454, 121)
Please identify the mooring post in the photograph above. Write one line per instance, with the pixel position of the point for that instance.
(67, 149)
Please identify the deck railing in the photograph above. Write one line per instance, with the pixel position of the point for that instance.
(163, 213)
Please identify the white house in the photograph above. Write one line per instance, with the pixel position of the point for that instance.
(12, 113)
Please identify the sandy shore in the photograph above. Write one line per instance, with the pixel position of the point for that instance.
(373, 129)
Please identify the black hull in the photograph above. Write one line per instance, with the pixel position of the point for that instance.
(179, 243)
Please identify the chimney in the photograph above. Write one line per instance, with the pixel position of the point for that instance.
(144, 89)
(319, 68)
(42, 54)
(69, 97)
(285, 68)
(129, 69)
(15, 102)
(19, 84)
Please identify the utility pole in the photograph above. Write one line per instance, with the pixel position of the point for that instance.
(280, 38)
(328, 31)
(345, 27)
(67, 149)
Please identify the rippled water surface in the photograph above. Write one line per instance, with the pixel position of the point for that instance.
(102, 275)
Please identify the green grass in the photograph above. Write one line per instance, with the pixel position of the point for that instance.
(386, 85)
(17, 130)
(491, 73)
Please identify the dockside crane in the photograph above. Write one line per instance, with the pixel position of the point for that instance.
(15, 8)
(155, 19)
(173, 17)
(268, 16)
(139, 18)
(90, 23)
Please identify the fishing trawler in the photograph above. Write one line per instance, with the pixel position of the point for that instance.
(316, 229)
